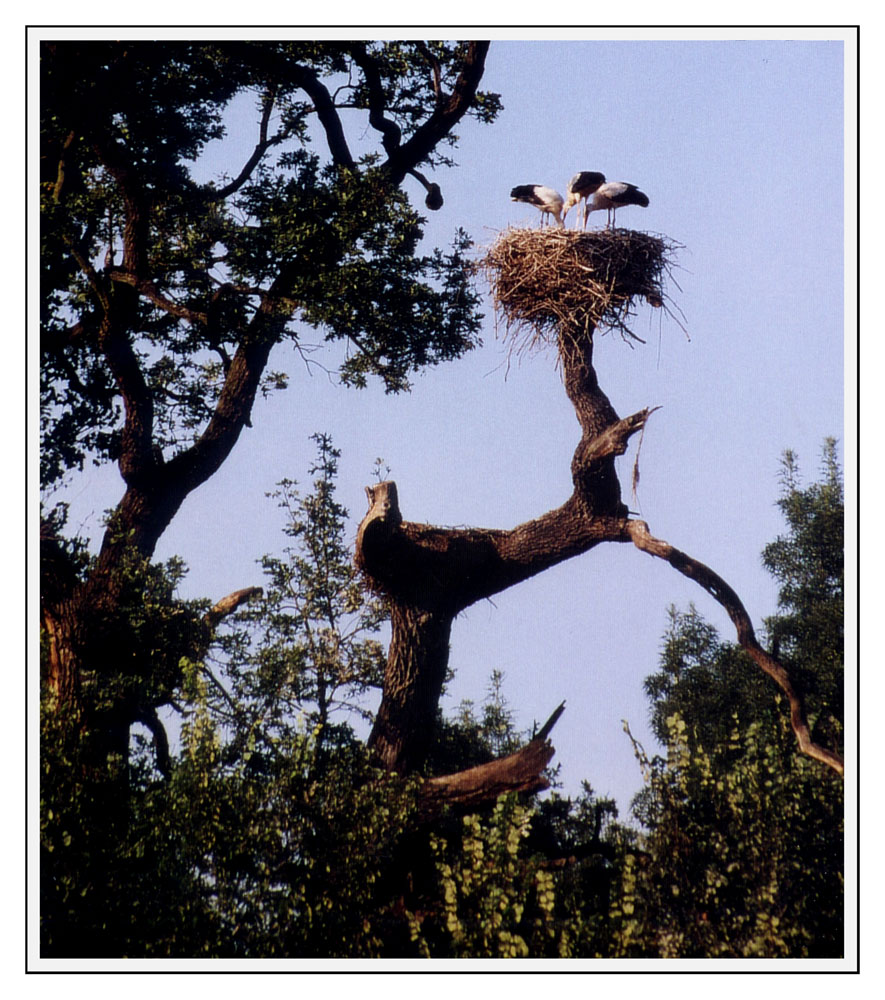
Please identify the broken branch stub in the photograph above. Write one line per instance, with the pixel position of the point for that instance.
(229, 604)
(518, 772)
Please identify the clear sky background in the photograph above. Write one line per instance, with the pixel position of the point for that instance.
(739, 146)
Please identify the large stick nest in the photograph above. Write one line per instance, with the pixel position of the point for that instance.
(547, 282)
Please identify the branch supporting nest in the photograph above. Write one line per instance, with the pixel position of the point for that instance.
(728, 599)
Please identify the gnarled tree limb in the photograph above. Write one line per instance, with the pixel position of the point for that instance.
(724, 595)
(229, 604)
(519, 772)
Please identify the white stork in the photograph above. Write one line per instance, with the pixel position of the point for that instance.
(612, 196)
(579, 189)
(545, 199)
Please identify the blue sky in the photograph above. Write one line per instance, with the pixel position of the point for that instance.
(739, 146)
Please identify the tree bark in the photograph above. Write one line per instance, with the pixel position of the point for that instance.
(79, 617)
(470, 789)
(430, 574)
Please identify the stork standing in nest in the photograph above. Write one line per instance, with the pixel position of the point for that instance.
(579, 189)
(611, 197)
(545, 199)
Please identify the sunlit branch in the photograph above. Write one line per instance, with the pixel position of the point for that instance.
(423, 48)
(725, 596)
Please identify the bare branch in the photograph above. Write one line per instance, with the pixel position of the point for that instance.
(261, 147)
(229, 604)
(724, 595)
(519, 772)
(545, 730)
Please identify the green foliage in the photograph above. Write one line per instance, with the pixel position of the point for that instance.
(743, 857)
(706, 679)
(275, 836)
(290, 860)
(135, 643)
(307, 651)
(224, 861)
(744, 846)
(298, 240)
(88, 786)
(494, 904)
(808, 562)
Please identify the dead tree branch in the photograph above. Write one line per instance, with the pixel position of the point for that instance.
(466, 790)
(728, 599)
(229, 604)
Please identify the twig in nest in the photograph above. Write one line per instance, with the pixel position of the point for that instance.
(545, 281)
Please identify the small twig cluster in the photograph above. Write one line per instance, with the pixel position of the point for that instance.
(545, 281)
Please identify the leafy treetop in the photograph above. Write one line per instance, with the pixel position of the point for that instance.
(164, 294)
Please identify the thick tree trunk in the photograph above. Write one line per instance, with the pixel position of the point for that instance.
(95, 674)
(97, 680)
(431, 574)
(418, 657)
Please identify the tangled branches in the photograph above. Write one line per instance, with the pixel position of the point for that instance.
(545, 281)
